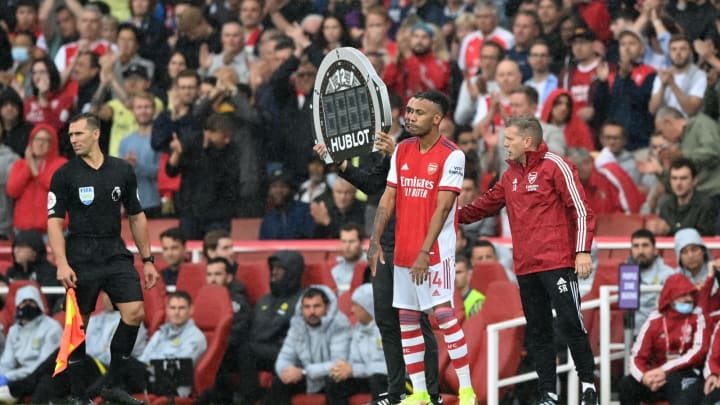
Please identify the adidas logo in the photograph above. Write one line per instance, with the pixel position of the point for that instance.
(436, 293)
(561, 281)
(404, 167)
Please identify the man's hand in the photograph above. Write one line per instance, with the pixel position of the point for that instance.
(151, 275)
(650, 166)
(341, 371)
(176, 145)
(711, 383)
(583, 265)
(291, 375)
(66, 276)
(666, 77)
(419, 269)
(384, 143)
(205, 57)
(602, 72)
(131, 158)
(658, 226)
(654, 379)
(319, 213)
(374, 254)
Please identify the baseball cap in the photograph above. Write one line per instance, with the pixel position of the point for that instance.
(582, 33)
(137, 70)
(281, 175)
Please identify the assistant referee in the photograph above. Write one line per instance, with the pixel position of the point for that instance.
(92, 189)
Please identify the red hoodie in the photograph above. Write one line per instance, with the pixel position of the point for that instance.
(31, 193)
(668, 338)
(577, 133)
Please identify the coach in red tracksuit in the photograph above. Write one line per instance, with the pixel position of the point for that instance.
(669, 351)
(552, 230)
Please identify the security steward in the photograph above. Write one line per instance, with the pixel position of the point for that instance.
(91, 189)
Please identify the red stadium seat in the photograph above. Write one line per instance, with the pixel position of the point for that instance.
(255, 276)
(502, 303)
(245, 228)
(345, 306)
(618, 224)
(5, 266)
(318, 273)
(358, 275)
(154, 303)
(485, 273)
(191, 278)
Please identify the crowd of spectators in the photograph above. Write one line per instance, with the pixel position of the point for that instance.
(210, 101)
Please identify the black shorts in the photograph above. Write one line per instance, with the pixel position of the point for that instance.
(117, 277)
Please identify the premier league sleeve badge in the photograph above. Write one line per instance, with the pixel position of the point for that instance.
(350, 103)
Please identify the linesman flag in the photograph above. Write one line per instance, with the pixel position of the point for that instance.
(73, 334)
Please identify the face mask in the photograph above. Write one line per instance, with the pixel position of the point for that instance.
(27, 313)
(20, 54)
(684, 307)
(330, 179)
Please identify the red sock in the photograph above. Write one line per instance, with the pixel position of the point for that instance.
(413, 345)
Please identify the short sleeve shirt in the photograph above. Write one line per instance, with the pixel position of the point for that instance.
(93, 198)
(418, 177)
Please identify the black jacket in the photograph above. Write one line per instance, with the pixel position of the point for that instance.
(274, 310)
(242, 314)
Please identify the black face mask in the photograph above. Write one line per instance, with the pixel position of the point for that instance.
(27, 313)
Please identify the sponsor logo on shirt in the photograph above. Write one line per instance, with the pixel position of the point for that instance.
(457, 170)
(514, 183)
(416, 187)
(404, 167)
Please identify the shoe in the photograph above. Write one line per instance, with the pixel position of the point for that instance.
(546, 400)
(80, 401)
(118, 396)
(5, 396)
(417, 398)
(589, 397)
(436, 399)
(383, 401)
(467, 396)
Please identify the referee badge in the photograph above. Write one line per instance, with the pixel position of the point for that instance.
(87, 194)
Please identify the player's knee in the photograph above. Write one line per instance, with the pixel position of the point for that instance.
(134, 314)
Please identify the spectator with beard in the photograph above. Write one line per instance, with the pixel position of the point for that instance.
(351, 252)
(653, 271)
(289, 218)
(420, 70)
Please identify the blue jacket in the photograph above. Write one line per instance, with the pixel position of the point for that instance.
(294, 222)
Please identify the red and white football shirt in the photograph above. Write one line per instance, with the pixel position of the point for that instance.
(418, 177)
(580, 82)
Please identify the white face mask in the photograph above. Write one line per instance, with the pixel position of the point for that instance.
(684, 307)
(330, 179)
(20, 54)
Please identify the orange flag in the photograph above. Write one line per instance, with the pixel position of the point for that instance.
(73, 334)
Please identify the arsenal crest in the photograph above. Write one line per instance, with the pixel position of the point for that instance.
(432, 168)
(350, 103)
(532, 176)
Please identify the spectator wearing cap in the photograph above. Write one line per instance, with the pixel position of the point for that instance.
(129, 39)
(288, 218)
(622, 93)
(420, 70)
(683, 85)
(578, 79)
(119, 109)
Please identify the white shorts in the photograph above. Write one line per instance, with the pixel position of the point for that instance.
(438, 289)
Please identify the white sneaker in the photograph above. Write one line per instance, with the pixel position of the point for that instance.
(5, 396)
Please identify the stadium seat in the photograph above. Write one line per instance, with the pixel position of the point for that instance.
(7, 315)
(156, 226)
(318, 273)
(191, 278)
(5, 266)
(212, 313)
(358, 275)
(154, 303)
(319, 399)
(245, 228)
(618, 224)
(255, 276)
(485, 273)
(345, 306)
(502, 303)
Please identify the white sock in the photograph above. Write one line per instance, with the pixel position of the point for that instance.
(553, 396)
(586, 385)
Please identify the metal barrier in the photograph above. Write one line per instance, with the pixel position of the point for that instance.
(608, 351)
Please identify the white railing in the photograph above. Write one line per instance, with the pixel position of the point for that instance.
(608, 351)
